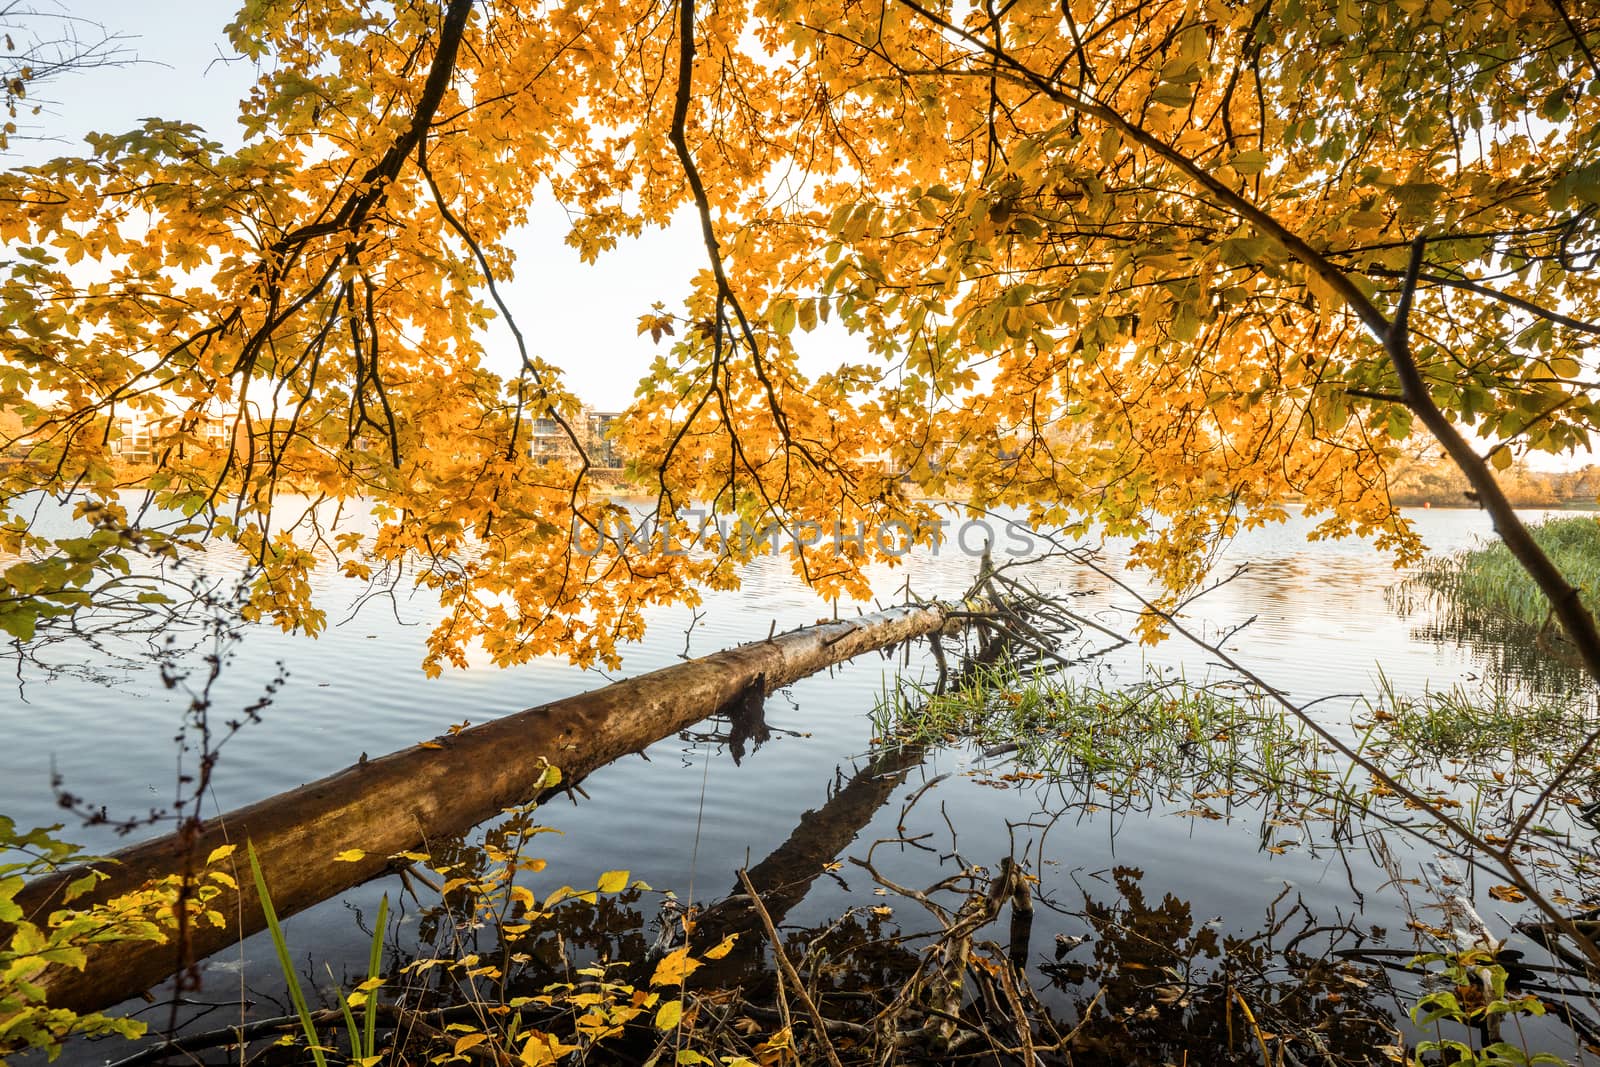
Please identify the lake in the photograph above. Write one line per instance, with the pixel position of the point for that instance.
(1326, 622)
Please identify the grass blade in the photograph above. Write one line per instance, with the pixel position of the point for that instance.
(374, 966)
(350, 1027)
(282, 946)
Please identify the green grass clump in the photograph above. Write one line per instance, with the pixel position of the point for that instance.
(1162, 732)
(1489, 579)
(1484, 729)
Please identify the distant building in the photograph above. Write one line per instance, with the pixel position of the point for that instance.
(142, 437)
(550, 440)
(603, 451)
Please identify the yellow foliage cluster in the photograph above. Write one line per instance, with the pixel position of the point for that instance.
(483, 893)
(1115, 261)
(32, 944)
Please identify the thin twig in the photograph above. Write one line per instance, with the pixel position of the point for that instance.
(787, 968)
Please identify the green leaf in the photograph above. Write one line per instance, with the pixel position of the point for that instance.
(19, 622)
(1436, 1006)
(1250, 163)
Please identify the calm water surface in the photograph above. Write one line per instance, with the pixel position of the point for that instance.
(689, 817)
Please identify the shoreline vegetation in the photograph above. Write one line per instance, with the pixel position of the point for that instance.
(1413, 480)
(1424, 482)
(1488, 580)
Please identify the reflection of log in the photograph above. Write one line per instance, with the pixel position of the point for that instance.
(786, 875)
(393, 804)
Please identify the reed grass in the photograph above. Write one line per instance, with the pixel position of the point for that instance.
(1489, 579)
(1477, 725)
(1160, 731)
(363, 1033)
(280, 945)
(1170, 738)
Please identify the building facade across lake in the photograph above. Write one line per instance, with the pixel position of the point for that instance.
(593, 430)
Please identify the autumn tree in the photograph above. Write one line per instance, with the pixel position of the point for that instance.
(1156, 264)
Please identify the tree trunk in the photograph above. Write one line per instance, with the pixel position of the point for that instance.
(394, 803)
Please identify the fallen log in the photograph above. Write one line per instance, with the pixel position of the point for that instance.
(394, 803)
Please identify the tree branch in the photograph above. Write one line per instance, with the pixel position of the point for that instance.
(1520, 303)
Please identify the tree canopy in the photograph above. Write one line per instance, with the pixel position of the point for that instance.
(1164, 265)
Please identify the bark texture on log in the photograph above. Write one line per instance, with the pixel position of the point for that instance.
(394, 803)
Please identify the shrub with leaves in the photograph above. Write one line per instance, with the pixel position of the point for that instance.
(1478, 998)
(32, 944)
(473, 989)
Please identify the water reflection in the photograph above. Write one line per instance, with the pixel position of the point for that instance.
(1165, 899)
(1173, 987)
(1511, 653)
(914, 916)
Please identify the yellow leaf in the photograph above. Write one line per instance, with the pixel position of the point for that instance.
(674, 968)
(467, 1041)
(221, 852)
(542, 1049)
(721, 949)
(350, 855)
(669, 1016)
(613, 881)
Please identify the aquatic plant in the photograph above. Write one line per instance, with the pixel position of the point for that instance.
(1484, 756)
(1490, 579)
(1166, 732)
(1483, 724)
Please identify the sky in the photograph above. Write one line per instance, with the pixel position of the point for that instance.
(580, 317)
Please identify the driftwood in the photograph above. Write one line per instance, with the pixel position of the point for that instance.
(393, 804)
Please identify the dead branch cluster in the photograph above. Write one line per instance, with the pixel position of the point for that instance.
(1003, 618)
